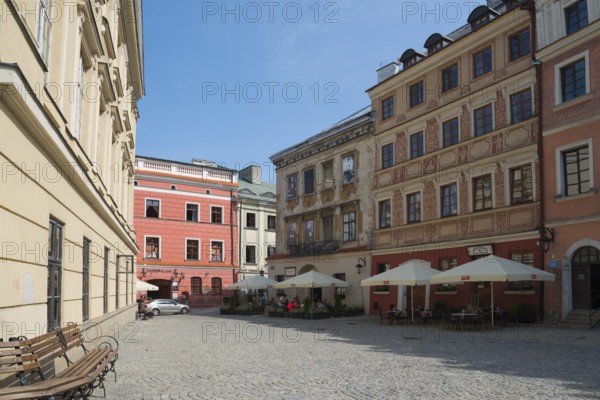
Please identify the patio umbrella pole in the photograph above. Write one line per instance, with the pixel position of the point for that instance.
(412, 304)
(492, 285)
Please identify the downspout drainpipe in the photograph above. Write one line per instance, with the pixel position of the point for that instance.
(240, 216)
(530, 6)
(231, 201)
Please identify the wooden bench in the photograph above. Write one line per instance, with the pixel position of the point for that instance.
(33, 363)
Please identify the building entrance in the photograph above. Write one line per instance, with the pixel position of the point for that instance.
(586, 278)
(164, 289)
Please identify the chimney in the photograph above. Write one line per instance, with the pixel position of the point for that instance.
(251, 174)
(387, 71)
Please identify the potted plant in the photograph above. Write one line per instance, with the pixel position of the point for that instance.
(297, 313)
(276, 312)
(338, 309)
(320, 313)
(245, 309)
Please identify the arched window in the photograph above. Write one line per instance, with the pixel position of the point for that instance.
(586, 255)
(215, 284)
(196, 285)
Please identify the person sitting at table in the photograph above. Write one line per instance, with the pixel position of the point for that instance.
(327, 305)
(320, 304)
(290, 306)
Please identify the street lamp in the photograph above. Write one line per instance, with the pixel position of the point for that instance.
(362, 263)
(547, 238)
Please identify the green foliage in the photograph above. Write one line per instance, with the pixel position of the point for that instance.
(337, 306)
(307, 305)
(439, 309)
(232, 303)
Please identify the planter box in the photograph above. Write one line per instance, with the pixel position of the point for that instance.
(244, 312)
(274, 314)
(321, 315)
(227, 311)
(296, 315)
(443, 293)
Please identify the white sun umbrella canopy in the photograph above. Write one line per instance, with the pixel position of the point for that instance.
(257, 282)
(311, 279)
(411, 273)
(492, 269)
(141, 286)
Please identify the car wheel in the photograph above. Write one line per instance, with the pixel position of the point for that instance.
(156, 312)
(184, 310)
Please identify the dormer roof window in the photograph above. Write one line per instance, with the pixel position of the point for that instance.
(436, 42)
(480, 16)
(410, 57)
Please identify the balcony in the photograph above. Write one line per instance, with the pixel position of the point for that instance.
(314, 248)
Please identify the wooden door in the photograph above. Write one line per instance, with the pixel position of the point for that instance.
(581, 287)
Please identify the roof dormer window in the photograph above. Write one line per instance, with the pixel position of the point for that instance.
(480, 16)
(410, 57)
(436, 42)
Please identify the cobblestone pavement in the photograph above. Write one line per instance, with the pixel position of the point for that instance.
(204, 355)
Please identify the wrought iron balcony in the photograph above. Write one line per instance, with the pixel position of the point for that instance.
(314, 248)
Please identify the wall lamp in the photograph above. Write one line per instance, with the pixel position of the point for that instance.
(362, 263)
(547, 238)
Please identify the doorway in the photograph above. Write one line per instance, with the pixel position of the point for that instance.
(586, 278)
(164, 289)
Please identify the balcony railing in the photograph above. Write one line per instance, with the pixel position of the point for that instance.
(314, 248)
(193, 171)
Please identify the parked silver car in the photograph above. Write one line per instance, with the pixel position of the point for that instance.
(157, 307)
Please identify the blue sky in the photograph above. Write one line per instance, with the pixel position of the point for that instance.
(235, 82)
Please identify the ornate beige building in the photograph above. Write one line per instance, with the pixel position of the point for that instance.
(324, 207)
(70, 76)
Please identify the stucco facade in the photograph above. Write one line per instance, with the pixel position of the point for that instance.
(70, 76)
(324, 207)
(257, 221)
(456, 172)
(571, 150)
(186, 222)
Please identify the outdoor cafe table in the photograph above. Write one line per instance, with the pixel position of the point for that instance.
(464, 317)
(395, 315)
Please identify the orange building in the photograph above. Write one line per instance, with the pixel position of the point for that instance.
(569, 50)
(186, 227)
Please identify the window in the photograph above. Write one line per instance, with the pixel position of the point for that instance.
(484, 120)
(521, 106)
(43, 34)
(192, 249)
(250, 220)
(416, 94)
(292, 186)
(152, 208)
(271, 250)
(381, 268)
(450, 132)
(191, 212)
(576, 16)
(328, 228)
(482, 193)
(387, 156)
(387, 108)
(573, 80)
(216, 215)
(328, 176)
(215, 285)
(449, 200)
(152, 247)
(520, 45)
(292, 234)
(576, 171)
(416, 145)
(85, 295)
(349, 226)
(196, 285)
(55, 242)
(413, 208)
(523, 257)
(251, 254)
(308, 233)
(450, 78)
(338, 290)
(385, 214)
(271, 224)
(309, 181)
(216, 252)
(105, 291)
(482, 62)
(521, 185)
(348, 170)
(447, 263)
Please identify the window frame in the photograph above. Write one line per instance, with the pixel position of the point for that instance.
(484, 199)
(560, 179)
(387, 153)
(105, 293)
(250, 260)
(522, 106)
(292, 186)
(417, 147)
(522, 185)
(414, 216)
(444, 141)
(85, 278)
(579, 172)
(558, 85)
(196, 285)
(324, 227)
(381, 224)
(212, 242)
(328, 178)
(44, 36)
(253, 225)
(216, 285)
(274, 218)
(187, 204)
(485, 69)
(351, 225)
(416, 94)
(575, 7)
(388, 107)
(453, 71)
(448, 206)
(289, 232)
(146, 207)
(312, 181)
(198, 241)
(55, 269)
(521, 50)
(159, 251)
(308, 226)
(485, 126)
(222, 215)
(350, 179)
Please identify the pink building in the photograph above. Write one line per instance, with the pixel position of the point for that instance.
(186, 226)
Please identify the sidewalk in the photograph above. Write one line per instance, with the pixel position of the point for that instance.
(203, 355)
